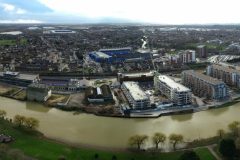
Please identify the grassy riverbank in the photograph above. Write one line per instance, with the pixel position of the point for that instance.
(34, 144)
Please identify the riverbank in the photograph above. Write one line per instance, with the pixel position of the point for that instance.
(96, 131)
(107, 110)
(34, 144)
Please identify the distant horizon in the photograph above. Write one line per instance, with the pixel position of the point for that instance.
(120, 23)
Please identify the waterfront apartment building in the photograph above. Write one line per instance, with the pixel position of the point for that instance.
(136, 97)
(176, 92)
(228, 75)
(205, 86)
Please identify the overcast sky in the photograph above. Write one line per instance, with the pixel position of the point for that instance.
(103, 11)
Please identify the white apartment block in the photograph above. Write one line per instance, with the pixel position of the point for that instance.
(136, 97)
(176, 92)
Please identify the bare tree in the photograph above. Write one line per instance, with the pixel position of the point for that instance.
(175, 139)
(138, 140)
(158, 138)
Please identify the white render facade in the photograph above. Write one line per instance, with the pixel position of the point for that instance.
(136, 97)
(176, 92)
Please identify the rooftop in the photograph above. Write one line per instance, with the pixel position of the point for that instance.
(170, 82)
(102, 55)
(138, 74)
(225, 68)
(23, 76)
(115, 49)
(135, 90)
(201, 46)
(203, 77)
(38, 87)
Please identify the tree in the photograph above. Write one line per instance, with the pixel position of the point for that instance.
(227, 148)
(175, 139)
(31, 123)
(158, 138)
(138, 140)
(220, 133)
(189, 155)
(234, 126)
(19, 120)
(2, 113)
(96, 156)
(114, 157)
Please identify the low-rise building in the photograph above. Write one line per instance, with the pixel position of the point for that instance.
(176, 92)
(136, 97)
(205, 86)
(38, 92)
(19, 79)
(99, 94)
(63, 84)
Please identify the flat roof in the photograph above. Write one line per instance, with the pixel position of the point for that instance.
(138, 74)
(23, 76)
(135, 90)
(173, 84)
(203, 77)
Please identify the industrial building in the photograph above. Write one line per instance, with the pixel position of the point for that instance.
(176, 92)
(19, 79)
(136, 97)
(228, 75)
(38, 92)
(205, 86)
(99, 94)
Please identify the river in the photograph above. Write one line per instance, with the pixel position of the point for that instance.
(110, 132)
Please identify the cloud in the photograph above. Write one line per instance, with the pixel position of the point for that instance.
(9, 8)
(21, 21)
(20, 11)
(153, 11)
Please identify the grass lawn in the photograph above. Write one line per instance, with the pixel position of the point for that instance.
(204, 154)
(10, 42)
(7, 42)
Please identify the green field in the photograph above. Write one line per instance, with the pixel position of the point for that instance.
(35, 145)
(205, 154)
(8, 42)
